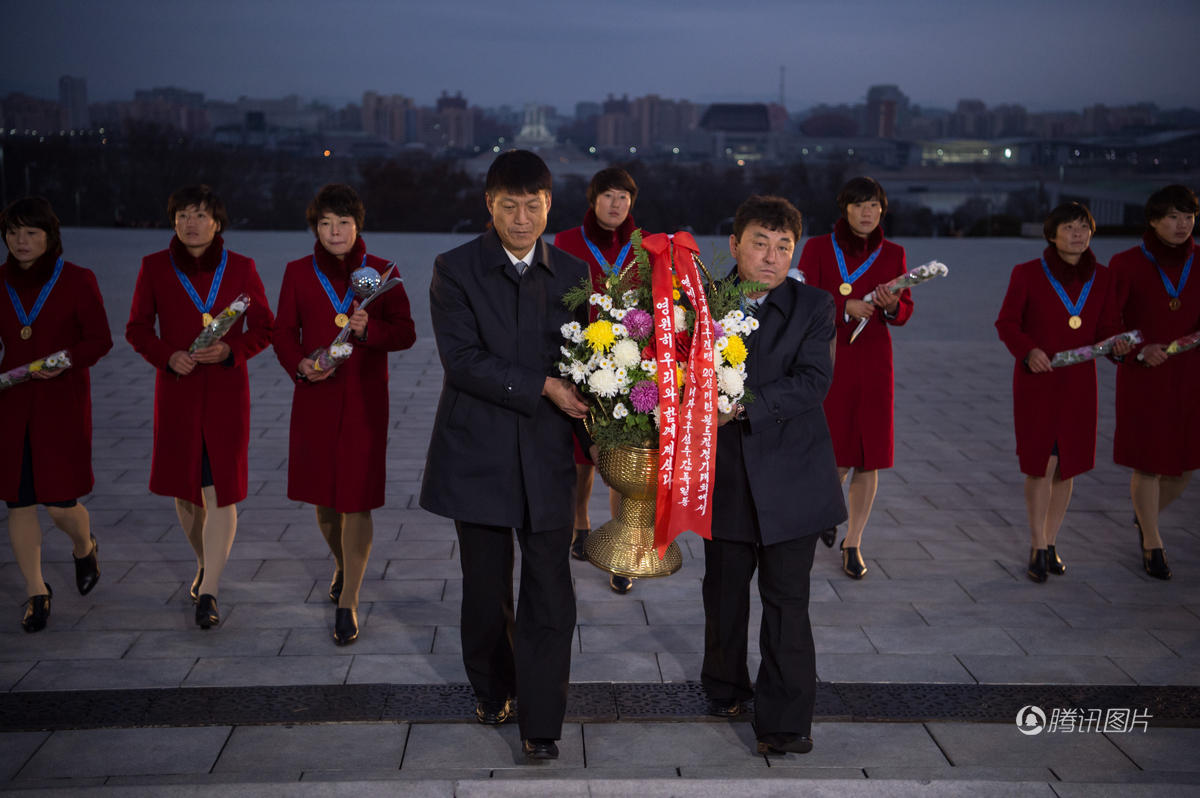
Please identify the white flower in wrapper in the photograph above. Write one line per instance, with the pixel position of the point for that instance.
(605, 303)
(730, 383)
(603, 383)
(618, 313)
(341, 351)
(619, 411)
(680, 318)
(629, 299)
(594, 299)
(620, 331)
(237, 306)
(578, 372)
(724, 405)
(626, 353)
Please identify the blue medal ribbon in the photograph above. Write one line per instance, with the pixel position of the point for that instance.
(1172, 290)
(841, 262)
(27, 319)
(605, 266)
(1074, 308)
(207, 305)
(340, 305)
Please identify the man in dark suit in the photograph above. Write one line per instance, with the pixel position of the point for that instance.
(500, 457)
(776, 489)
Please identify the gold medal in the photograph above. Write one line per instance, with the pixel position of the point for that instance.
(1174, 304)
(26, 333)
(341, 319)
(207, 319)
(1074, 322)
(844, 289)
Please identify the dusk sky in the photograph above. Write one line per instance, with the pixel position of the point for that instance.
(1043, 54)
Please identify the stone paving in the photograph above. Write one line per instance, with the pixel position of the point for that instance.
(946, 601)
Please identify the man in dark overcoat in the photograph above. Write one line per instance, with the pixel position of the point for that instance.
(776, 489)
(500, 458)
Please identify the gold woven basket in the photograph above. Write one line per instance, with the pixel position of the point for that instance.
(625, 545)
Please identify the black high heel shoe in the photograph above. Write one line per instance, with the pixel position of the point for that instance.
(207, 614)
(37, 611)
(1054, 563)
(195, 591)
(1154, 561)
(335, 587)
(345, 626)
(1037, 565)
(87, 569)
(852, 562)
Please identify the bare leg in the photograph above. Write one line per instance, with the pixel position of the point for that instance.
(76, 522)
(1060, 498)
(191, 518)
(329, 521)
(220, 525)
(1171, 488)
(25, 533)
(1040, 495)
(861, 497)
(584, 476)
(1144, 490)
(357, 533)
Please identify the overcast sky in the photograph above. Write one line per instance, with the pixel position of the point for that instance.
(1045, 54)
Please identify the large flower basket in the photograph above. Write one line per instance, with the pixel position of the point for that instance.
(625, 545)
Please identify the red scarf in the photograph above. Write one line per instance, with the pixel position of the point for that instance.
(1065, 272)
(208, 261)
(1168, 257)
(854, 246)
(608, 241)
(336, 268)
(35, 276)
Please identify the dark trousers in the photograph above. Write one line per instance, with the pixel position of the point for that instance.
(787, 677)
(526, 655)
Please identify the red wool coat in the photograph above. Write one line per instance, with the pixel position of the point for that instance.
(338, 444)
(210, 407)
(56, 412)
(860, 406)
(1158, 428)
(1058, 406)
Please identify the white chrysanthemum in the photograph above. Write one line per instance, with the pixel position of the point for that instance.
(730, 383)
(724, 405)
(605, 363)
(605, 302)
(618, 313)
(720, 344)
(626, 353)
(594, 299)
(563, 369)
(741, 369)
(578, 373)
(565, 352)
(680, 318)
(620, 411)
(735, 315)
(623, 377)
(753, 322)
(620, 331)
(629, 299)
(603, 383)
(649, 366)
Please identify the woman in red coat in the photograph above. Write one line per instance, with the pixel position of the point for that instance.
(850, 263)
(338, 443)
(202, 398)
(1063, 300)
(602, 241)
(1158, 431)
(46, 423)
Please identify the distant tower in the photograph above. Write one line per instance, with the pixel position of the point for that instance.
(72, 97)
(534, 132)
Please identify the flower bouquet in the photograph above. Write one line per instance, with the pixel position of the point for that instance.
(1183, 344)
(215, 330)
(330, 357)
(926, 271)
(664, 355)
(1070, 357)
(59, 360)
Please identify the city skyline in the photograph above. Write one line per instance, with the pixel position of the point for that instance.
(1066, 56)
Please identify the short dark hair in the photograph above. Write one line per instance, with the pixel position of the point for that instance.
(861, 189)
(201, 196)
(773, 213)
(33, 212)
(338, 199)
(1171, 198)
(1063, 214)
(518, 172)
(610, 178)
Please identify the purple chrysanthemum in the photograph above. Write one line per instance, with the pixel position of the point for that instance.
(638, 323)
(644, 396)
(718, 330)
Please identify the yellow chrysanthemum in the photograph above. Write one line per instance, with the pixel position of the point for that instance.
(599, 335)
(679, 376)
(675, 294)
(735, 350)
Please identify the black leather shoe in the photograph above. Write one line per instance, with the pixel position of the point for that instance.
(1054, 563)
(37, 611)
(724, 709)
(852, 562)
(207, 614)
(784, 744)
(539, 749)
(578, 541)
(829, 537)
(1037, 565)
(345, 626)
(335, 587)
(493, 713)
(1155, 563)
(620, 584)
(195, 591)
(87, 569)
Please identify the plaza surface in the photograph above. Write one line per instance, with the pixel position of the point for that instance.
(946, 602)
